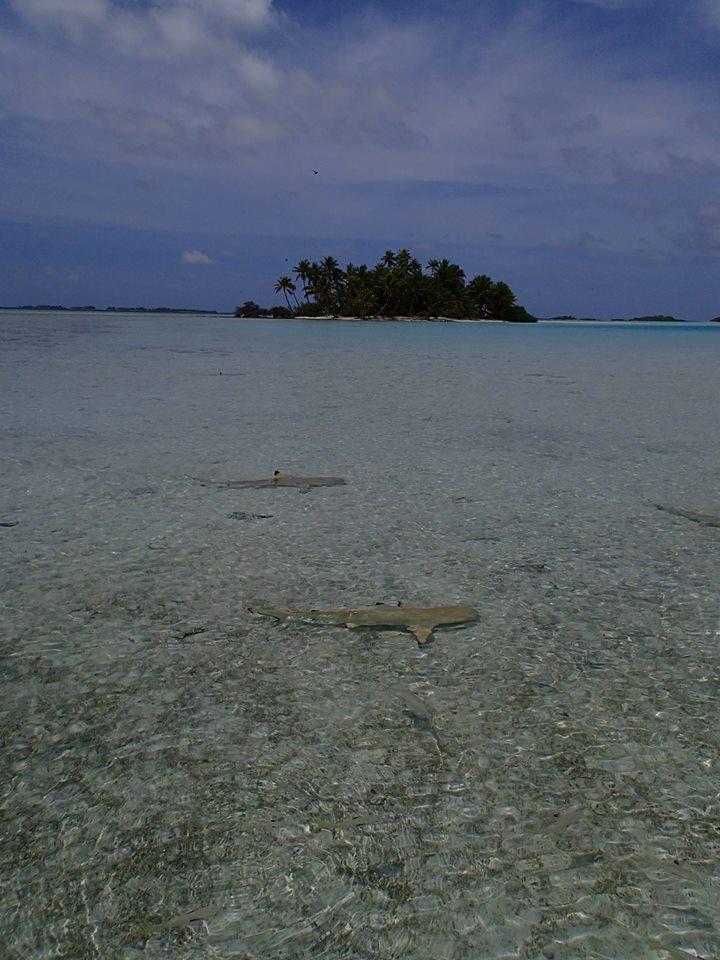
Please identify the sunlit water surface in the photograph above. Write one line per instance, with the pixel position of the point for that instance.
(166, 754)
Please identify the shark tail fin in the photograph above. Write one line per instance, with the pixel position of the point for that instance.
(421, 634)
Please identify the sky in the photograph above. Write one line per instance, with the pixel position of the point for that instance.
(162, 152)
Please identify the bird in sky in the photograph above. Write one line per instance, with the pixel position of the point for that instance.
(315, 172)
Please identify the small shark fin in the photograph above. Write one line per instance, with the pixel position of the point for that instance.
(421, 634)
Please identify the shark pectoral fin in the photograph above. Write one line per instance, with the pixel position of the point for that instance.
(421, 634)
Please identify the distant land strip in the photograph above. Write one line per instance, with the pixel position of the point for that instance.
(654, 318)
(89, 308)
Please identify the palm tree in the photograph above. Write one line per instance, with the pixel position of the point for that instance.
(332, 280)
(479, 292)
(285, 285)
(501, 300)
(446, 273)
(302, 271)
(331, 271)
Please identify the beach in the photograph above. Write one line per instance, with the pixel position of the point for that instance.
(183, 779)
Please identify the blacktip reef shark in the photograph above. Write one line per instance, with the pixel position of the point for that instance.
(278, 479)
(705, 519)
(420, 621)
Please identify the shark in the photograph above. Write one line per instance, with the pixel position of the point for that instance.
(419, 621)
(705, 519)
(278, 479)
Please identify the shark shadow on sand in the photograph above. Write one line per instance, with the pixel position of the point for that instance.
(278, 479)
(420, 621)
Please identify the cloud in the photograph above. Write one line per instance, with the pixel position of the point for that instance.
(159, 31)
(189, 84)
(432, 124)
(44, 13)
(252, 14)
(196, 257)
(186, 69)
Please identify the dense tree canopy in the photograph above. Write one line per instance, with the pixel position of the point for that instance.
(397, 286)
(251, 309)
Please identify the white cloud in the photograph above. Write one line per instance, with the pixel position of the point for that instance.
(47, 12)
(196, 257)
(77, 19)
(162, 79)
(173, 28)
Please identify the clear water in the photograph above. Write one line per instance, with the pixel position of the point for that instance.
(166, 753)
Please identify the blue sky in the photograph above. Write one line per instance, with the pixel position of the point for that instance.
(161, 152)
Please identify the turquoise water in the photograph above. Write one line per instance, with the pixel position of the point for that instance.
(167, 754)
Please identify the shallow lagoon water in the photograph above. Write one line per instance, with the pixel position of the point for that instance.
(167, 755)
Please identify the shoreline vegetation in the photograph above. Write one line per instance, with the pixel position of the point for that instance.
(396, 288)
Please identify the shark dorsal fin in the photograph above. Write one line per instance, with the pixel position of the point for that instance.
(421, 634)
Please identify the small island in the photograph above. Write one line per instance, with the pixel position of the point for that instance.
(396, 288)
(654, 318)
